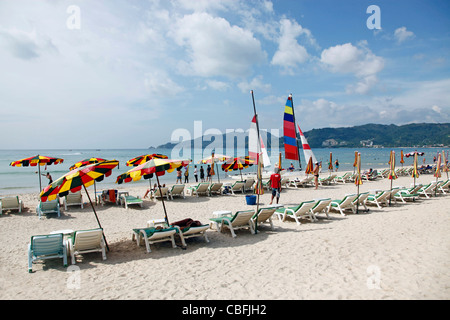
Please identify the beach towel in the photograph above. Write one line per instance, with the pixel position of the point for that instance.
(112, 195)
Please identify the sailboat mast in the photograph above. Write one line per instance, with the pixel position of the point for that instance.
(296, 133)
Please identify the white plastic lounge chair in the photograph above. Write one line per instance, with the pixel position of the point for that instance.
(328, 180)
(248, 186)
(152, 235)
(343, 204)
(427, 190)
(73, 199)
(321, 206)
(301, 183)
(237, 186)
(215, 188)
(163, 193)
(201, 188)
(445, 185)
(379, 198)
(11, 203)
(284, 182)
(131, 200)
(191, 232)
(48, 207)
(361, 201)
(47, 247)
(344, 178)
(264, 215)
(407, 194)
(177, 190)
(86, 241)
(240, 220)
(302, 210)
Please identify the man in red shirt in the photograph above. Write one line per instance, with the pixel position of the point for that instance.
(275, 183)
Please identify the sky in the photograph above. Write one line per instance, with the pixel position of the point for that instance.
(84, 74)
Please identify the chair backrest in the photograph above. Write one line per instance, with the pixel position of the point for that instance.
(164, 191)
(264, 214)
(305, 206)
(348, 199)
(242, 217)
(321, 204)
(47, 244)
(361, 198)
(10, 202)
(216, 186)
(203, 186)
(49, 205)
(87, 239)
(249, 182)
(238, 185)
(177, 188)
(74, 197)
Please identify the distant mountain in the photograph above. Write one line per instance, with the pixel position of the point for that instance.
(368, 135)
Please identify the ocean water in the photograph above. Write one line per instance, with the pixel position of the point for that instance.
(15, 180)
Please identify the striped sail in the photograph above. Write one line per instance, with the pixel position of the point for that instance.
(306, 148)
(253, 148)
(290, 135)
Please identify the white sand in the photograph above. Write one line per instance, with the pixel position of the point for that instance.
(398, 252)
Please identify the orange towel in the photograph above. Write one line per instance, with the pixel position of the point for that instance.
(112, 195)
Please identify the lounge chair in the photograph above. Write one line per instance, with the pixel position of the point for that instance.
(86, 241)
(215, 188)
(344, 178)
(360, 200)
(445, 185)
(153, 235)
(177, 190)
(321, 206)
(343, 204)
(48, 207)
(426, 190)
(11, 203)
(240, 220)
(201, 188)
(302, 210)
(328, 180)
(237, 186)
(47, 247)
(189, 228)
(379, 198)
(264, 215)
(164, 192)
(131, 200)
(404, 194)
(73, 199)
(248, 186)
(108, 196)
(284, 182)
(301, 183)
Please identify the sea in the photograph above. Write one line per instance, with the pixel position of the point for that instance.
(17, 180)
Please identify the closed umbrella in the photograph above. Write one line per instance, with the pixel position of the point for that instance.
(39, 161)
(392, 174)
(76, 179)
(415, 172)
(330, 165)
(358, 179)
(401, 158)
(437, 173)
(148, 169)
(355, 163)
(444, 162)
(310, 167)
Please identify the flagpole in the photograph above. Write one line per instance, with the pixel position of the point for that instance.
(296, 136)
(259, 182)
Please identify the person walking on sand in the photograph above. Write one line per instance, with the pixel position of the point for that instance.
(195, 173)
(275, 183)
(316, 175)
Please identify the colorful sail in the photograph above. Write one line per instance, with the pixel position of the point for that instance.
(253, 150)
(306, 148)
(290, 134)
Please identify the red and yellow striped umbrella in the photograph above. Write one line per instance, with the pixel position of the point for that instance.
(74, 180)
(37, 160)
(214, 158)
(437, 173)
(355, 163)
(86, 162)
(237, 163)
(401, 158)
(310, 167)
(444, 162)
(144, 158)
(330, 165)
(392, 174)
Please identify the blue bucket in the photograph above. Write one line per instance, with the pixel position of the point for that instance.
(251, 200)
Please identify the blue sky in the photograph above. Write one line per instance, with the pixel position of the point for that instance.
(127, 74)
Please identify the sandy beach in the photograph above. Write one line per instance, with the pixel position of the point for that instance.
(397, 252)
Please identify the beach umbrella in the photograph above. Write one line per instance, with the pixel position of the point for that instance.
(155, 166)
(237, 163)
(358, 180)
(78, 178)
(392, 175)
(214, 159)
(310, 167)
(444, 161)
(39, 161)
(401, 158)
(437, 173)
(355, 163)
(86, 162)
(330, 165)
(143, 159)
(415, 172)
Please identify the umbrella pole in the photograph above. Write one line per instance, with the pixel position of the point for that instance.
(39, 168)
(96, 217)
(162, 199)
(357, 200)
(390, 195)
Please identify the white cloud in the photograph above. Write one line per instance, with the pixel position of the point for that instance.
(290, 53)
(401, 34)
(215, 47)
(255, 84)
(359, 61)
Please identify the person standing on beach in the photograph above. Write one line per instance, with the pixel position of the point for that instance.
(48, 176)
(208, 173)
(336, 164)
(178, 175)
(275, 183)
(316, 175)
(186, 174)
(202, 174)
(195, 173)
